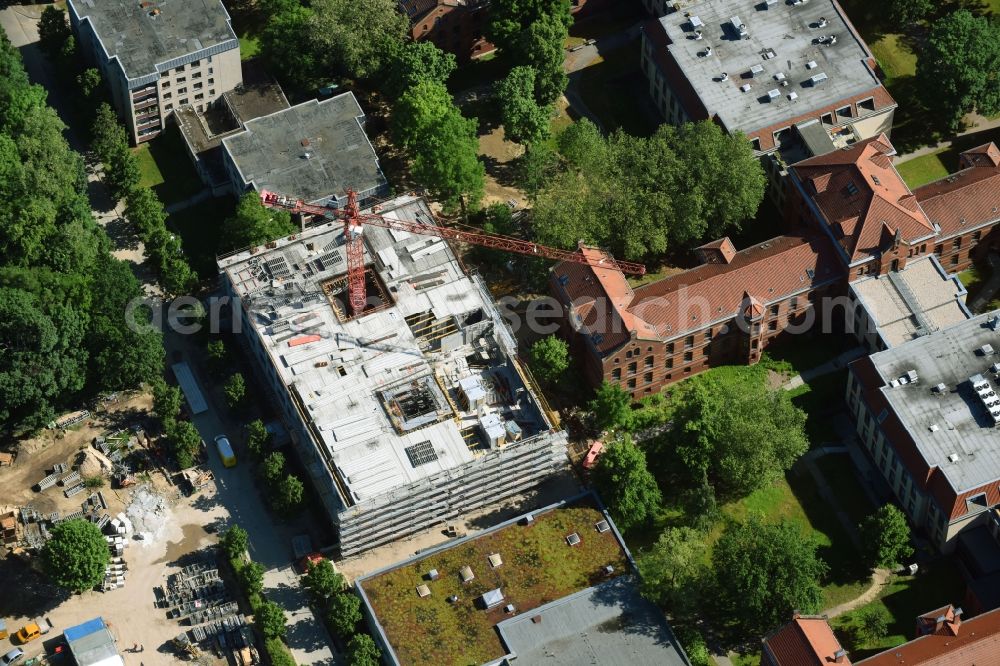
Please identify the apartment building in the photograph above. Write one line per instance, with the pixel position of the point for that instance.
(411, 414)
(158, 56)
(314, 151)
(925, 416)
(794, 77)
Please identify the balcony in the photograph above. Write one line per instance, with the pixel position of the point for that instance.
(147, 123)
(145, 104)
(138, 95)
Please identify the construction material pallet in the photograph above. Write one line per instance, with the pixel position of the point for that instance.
(74, 490)
(217, 627)
(48, 482)
(70, 478)
(213, 613)
(59, 468)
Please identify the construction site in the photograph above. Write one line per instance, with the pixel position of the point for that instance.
(394, 369)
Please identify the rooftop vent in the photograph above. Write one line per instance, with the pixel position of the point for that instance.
(934, 427)
(423, 591)
(773, 94)
(453, 599)
(738, 26)
(433, 574)
(495, 560)
(609, 569)
(573, 539)
(756, 70)
(940, 388)
(697, 34)
(995, 368)
(707, 52)
(745, 87)
(822, 22)
(724, 77)
(911, 375)
(602, 526)
(986, 350)
(811, 64)
(793, 96)
(509, 609)
(465, 574)
(994, 322)
(780, 76)
(696, 23)
(953, 457)
(817, 79)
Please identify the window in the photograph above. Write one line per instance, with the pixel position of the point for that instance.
(198, 86)
(166, 84)
(167, 107)
(182, 102)
(755, 144)
(938, 249)
(844, 112)
(181, 79)
(196, 63)
(200, 96)
(211, 82)
(631, 383)
(794, 303)
(774, 309)
(211, 92)
(180, 69)
(211, 70)
(827, 118)
(632, 368)
(670, 363)
(708, 335)
(977, 502)
(688, 357)
(670, 348)
(772, 326)
(166, 95)
(954, 260)
(649, 361)
(867, 104)
(196, 75)
(689, 342)
(976, 235)
(648, 378)
(687, 371)
(957, 243)
(181, 91)
(616, 374)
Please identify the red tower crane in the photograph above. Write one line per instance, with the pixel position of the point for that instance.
(354, 221)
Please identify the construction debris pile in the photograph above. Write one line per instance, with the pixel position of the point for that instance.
(148, 513)
(198, 596)
(117, 446)
(36, 525)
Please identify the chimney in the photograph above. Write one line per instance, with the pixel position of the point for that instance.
(840, 656)
(956, 621)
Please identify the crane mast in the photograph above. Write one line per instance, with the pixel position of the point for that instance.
(354, 221)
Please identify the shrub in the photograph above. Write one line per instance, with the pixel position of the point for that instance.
(278, 652)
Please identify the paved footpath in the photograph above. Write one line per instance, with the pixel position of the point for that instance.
(976, 123)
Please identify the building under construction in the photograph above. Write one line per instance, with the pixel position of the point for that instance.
(409, 412)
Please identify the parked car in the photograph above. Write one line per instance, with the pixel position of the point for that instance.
(32, 630)
(225, 450)
(13, 656)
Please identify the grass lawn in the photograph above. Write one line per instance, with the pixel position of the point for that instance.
(609, 88)
(198, 227)
(924, 169)
(538, 567)
(904, 598)
(165, 166)
(895, 57)
(249, 46)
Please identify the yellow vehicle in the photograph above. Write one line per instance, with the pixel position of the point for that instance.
(225, 450)
(31, 631)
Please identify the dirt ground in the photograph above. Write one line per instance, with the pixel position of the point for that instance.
(499, 153)
(36, 457)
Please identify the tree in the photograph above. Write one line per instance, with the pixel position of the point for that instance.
(145, 211)
(542, 47)
(252, 577)
(273, 467)
(218, 357)
(583, 146)
(611, 406)
(343, 612)
(121, 172)
(322, 580)
(362, 651)
(413, 62)
(737, 430)
(673, 571)
(235, 542)
(959, 62)
(106, 133)
(76, 555)
(271, 620)
(286, 496)
(302, 67)
(236, 390)
(873, 623)
(624, 481)
(906, 12)
(166, 400)
(885, 537)
(176, 275)
(549, 358)
(53, 30)
(536, 168)
(442, 144)
(509, 18)
(184, 442)
(258, 438)
(253, 224)
(89, 81)
(524, 120)
(764, 572)
(358, 36)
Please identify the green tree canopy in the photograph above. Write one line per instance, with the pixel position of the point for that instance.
(542, 47)
(959, 62)
(166, 400)
(737, 430)
(322, 580)
(258, 438)
(343, 612)
(358, 36)
(906, 12)
(271, 620)
(252, 577)
(413, 62)
(611, 406)
(254, 224)
(362, 651)
(76, 555)
(286, 496)
(53, 30)
(524, 120)
(273, 467)
(674, 572)
(549, 358)
(764, 572)
(885, 537)
(641, 196)
(873, 623)
(625, 483)
(235, 542)
(302, 67)
(185, 440)
(236, 390)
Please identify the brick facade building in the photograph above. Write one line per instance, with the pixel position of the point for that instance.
(851, 217)
(455, 26)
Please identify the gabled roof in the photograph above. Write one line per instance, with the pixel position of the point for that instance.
(966, 199)
(975, 642)
(805, 641)
(863, 199)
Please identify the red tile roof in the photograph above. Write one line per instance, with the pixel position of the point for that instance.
(768, 272)
(805, 641)
(863, 198)
(977, 643)
(967, 199)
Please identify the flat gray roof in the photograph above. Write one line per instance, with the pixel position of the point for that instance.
(952, 428)
(609, 623)
(780, 38)
(144, 34)
(310, 151)
(912, 302)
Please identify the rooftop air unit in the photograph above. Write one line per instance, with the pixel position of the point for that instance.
(773, 94)
(986, 350)
(811, 64)
(818, 78)
(745, 87)
(792, 96)
(756, 70)
(738, 26)
(696, 23)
